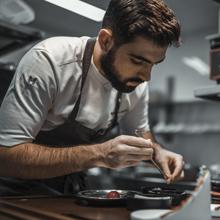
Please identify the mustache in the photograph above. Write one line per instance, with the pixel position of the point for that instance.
(136, 80)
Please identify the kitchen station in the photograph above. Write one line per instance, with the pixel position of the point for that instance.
(109, 109)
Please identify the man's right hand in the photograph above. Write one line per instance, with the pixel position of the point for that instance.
(125, 151)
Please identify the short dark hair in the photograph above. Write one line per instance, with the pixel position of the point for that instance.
(152, 19)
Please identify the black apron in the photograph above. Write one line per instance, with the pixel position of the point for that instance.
(70, 133)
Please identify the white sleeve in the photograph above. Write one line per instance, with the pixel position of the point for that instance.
(137, 118)
(28, 99)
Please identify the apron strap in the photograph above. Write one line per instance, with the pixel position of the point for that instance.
(117, 106)
(85, 68)
(86, 64)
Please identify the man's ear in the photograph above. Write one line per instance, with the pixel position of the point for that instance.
(105, 39)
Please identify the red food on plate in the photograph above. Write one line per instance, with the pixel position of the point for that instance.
(113, 195)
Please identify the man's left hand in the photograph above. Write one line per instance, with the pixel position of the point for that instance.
(171, 164)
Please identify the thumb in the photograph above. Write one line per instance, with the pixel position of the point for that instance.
(166, 170)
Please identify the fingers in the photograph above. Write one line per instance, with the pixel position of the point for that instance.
(129, 163)
(178, 170)
(132, 161)
(171, 163)
(138, 158)
(119, 159)
(167, 173)
(175, 167)
(122, 149)
(138, 151)
(135, 141)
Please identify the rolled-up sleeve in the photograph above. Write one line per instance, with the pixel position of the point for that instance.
(28, 99)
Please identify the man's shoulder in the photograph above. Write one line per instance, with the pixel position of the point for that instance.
(63, 49)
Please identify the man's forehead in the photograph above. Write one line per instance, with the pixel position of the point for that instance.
(145, 49)
(144, 42)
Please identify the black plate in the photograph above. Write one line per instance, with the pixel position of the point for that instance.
(162, 191)
(176, 195)
(143, 201)
(99, 197)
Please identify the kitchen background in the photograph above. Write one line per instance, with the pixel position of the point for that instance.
(181, 122)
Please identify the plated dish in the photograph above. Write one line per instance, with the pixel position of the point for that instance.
(103, 197)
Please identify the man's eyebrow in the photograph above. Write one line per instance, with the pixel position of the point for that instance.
(145, 59)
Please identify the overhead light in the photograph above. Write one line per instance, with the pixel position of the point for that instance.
(197, 64)
(81, 8)
(16, 12)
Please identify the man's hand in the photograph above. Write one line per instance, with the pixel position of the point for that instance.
(171, 163)
(124, 151)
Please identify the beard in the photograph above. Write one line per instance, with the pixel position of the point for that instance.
(107, 65)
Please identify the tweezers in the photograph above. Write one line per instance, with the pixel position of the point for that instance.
(140, 134)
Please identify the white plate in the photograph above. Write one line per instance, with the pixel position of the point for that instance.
(146, 214)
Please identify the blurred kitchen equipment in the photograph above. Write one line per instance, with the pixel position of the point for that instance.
(215, 170)
(13, 37)
(215, 182)
(7, 71)
(212, 92)
(215, 64)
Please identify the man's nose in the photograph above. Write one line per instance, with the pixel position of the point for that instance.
(145, 74)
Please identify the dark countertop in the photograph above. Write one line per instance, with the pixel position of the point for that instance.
(58, 208)
(55, 208)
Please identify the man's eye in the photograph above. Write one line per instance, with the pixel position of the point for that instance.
(137, 62)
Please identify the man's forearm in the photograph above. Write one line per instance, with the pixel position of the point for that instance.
(32, 161)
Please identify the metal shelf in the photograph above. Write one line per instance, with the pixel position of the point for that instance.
(181, 128)
(13, 37)
(210, 93)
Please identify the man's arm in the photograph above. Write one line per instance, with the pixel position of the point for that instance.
(33, 161)
(171, 163)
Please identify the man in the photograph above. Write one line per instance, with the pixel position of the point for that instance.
(70, 97)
